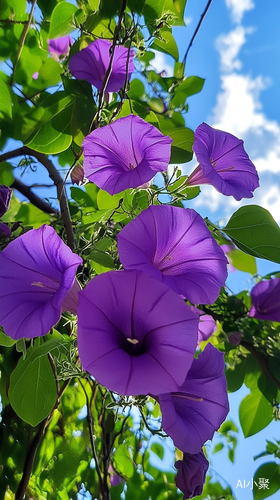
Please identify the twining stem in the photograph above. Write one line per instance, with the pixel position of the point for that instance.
(22, 40)
(196, 30)
(34, 445)
(58, 182)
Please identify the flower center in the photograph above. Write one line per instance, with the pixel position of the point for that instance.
(132, 341)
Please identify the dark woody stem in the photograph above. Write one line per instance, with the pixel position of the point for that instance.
(33, 198)
(58, 182)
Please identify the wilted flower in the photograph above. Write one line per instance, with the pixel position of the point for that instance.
(5, 196)
(266, 300)
(191, 474)
(37, 283)
(60, 47)
(223, 163)
(174, 245)
(77, 175)
(134, 334)
(92, 63)
(206, 326)
(5, 230)
(196, 410)
(125, 154)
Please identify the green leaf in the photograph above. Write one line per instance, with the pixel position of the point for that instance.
(123, 463)
(190, 86)
(47, 347)
(270, 471)
(235, 377)
(242, 261)
(167, 44)
(5, 340)
(83, 113)
(253, 230)
(158, 450)
(109, 8)
(54, 135)
(136, 5)
(181, 148)
(30, 215)
(106, 201)
(101, 258)
(267, 388)
(32, 390)
(5, 100)
(218, 447)
(6, 174)
(255, 413)
(180, 7)
(62, 20)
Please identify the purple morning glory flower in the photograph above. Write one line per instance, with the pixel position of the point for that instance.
(191, 474)
(206, 326)
(196, 410)
(227, 249)
(223, 162)
(134, 334)
(266, 300)
(60, 47)
(125, 154)
(92, 63)
(37, 283)
(174, 245)
(5, 197)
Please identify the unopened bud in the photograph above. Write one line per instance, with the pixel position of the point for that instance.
(77, 175)
(235, 338)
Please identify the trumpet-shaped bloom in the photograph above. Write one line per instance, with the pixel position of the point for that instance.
(60, 47)
(174, 245)
(134, 334)
(92, 63)
(37, 283)
(207, 325)
(266, 300)
(5, 196)
(192, 414)
(125, 154)
(191, 474)
(223, 163)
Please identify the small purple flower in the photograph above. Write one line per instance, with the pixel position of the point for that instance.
(35, 75)
(125, 154)
(92, 63)
(192, 414)
(59, 48)
(174, 245)
(223, 162)
(37, 283)
(4, 230)
(5, 197)
(191, 474)
(266, 300)
(206, 326)
(134, 334)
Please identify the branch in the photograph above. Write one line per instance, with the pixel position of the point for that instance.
(197, 30)
(22, 40)
(33, 198)
(262, 362)
(58, 182)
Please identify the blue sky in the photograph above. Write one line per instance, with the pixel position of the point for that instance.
(237, 52)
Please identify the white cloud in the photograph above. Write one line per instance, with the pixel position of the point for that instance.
(229, 47)
(239, 110)
(188, 20)
(238, 8)
(159, 64)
